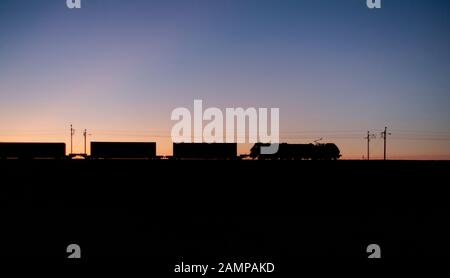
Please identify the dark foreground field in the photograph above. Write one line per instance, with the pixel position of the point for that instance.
(238, 211)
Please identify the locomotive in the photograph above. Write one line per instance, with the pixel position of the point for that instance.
(327, 151)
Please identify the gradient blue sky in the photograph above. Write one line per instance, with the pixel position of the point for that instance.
(334, 68)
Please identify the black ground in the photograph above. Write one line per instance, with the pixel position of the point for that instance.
(199, 211)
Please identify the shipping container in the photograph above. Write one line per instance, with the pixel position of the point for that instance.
(205, 150)
(32, 150)
(130, 150)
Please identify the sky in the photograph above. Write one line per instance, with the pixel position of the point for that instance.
(334, 68)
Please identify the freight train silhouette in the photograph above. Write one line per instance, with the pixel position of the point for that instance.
(181, 151)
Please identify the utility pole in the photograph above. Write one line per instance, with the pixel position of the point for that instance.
(72, 132)
(369, 136)
(85, 134)
(384, 135)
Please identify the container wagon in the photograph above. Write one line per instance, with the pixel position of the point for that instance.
(32, 150)
(123, 150)
(218, 151)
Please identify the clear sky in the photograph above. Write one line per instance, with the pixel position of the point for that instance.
(334, 68)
